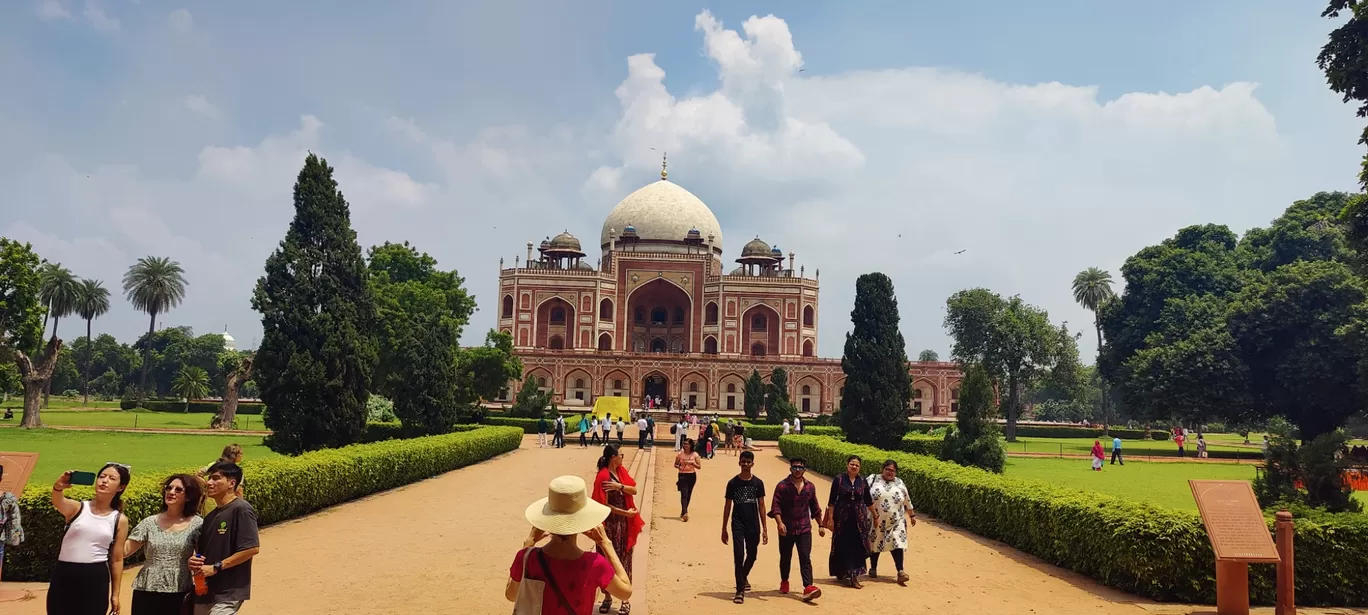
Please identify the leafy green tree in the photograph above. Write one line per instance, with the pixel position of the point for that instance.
(1299, 330)
(531, 401)
(410, 291)
(975, 440)
(21, 318)
(318, 348)
(754, 393)
(1343, 58)
(60, 291)
(778, 406)
(9, 381)
(1316, 465)
(154, 285)
(928, 355)
(878, 387)
(1310, 229)
(425, 397)
(1012, 340)
(485, 371)
(92, 302)
(191, 383)
(1092, 288)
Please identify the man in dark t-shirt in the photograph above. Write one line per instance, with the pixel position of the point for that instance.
(228, 540)
(745, 495)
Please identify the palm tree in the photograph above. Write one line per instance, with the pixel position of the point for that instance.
(191, 383)
(58, 289)
(45, 271)
(92, 302)
(1092, 288)
(154, 285)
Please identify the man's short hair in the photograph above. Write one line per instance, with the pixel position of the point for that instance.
(228, 470)
(747, 455)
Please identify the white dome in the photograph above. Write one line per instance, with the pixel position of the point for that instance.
(662, 211)
(228, 342)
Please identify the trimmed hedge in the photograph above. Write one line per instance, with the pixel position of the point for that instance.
(1155, 552)
(917, 444)
(528, 425)
(379, 432)
(1061, 431)
(211, 407)
(279, 488)
(767, 432)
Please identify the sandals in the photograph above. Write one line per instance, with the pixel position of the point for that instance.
(606, 606)
(903, 578)
(739, 598)
(855, 582)
(625, 609)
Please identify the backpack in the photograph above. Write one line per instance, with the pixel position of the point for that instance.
(674, 429)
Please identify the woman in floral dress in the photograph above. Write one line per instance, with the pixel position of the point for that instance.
(888, 532)
(614, 487)
(168, 538)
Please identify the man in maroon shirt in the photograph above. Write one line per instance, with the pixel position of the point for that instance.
(794, 508)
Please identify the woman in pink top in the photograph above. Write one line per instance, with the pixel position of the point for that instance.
(688, 462)
(560, 578)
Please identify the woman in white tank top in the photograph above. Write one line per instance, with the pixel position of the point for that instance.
(86, 579)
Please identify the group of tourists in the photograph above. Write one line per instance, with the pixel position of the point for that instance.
(559, 577)
(594, 431)
(188, 568)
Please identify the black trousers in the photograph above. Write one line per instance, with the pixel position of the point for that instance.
(897, 560)
(686, 487)
(641, 440)
(1116, 457)
(593, 437)
(78, 589)
(745, 548)
(156, 603)
(804, 544)
(582, 440)
(559, 440)
(619, 439)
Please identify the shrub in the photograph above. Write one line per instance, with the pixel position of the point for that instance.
(394, 430)
(128, 403)
(973, 441)
(766, 432)
(1158, 553)
(379, 409)
(528, 425)
(279, 488)
(917, 444)
(1061, 431)
(167, 405)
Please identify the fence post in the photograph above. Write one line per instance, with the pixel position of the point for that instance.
(1284, 536)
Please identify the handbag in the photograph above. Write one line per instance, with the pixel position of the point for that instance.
(531, 591)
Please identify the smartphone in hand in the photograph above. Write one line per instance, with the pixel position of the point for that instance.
(83, 478)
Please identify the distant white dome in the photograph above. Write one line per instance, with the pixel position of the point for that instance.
(228, 342)
(663, 211)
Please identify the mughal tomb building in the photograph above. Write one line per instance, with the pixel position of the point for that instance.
(662, 316)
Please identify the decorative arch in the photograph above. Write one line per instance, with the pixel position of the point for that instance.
(731, 392)
(667, 309)
(617, 383)
(710, 344)
(757, 349)
(693, 388)
(760, 323)
(555, 316)
(923, 397)
(508, 306)
(543, 378)
(809, 316)
(839, 393)
(658, 344)
(606, 310)
(605, 341)
(506, 331)
(577, 387)
(656, 384)
(789, 346)
(710, 313)
(807, 348)
(584, 339)
(809, 394)
(557, 342)
(522, 337)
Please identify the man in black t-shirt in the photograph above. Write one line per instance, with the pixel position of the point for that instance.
(228, 540)
(745, 495)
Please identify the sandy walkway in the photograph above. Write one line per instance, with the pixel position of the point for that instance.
(440, 546)
(952, 571)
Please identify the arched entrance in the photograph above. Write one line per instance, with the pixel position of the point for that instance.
(655, 385)
(661, 309)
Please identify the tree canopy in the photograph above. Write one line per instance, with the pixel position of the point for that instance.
(878, 388)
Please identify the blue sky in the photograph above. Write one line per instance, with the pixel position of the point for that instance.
(1042, 137)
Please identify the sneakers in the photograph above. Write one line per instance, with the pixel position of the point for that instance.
(783, 587)
(811, 593)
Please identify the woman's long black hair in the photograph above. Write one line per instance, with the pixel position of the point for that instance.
(124, 476)
(609, 452)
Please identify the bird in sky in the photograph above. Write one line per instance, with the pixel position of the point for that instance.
(961, 251)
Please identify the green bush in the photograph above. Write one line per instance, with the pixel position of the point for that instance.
(526, 424)
(279, 488)
(1059, 431)
(918, 444)
(766, 432)
(128, 403)
(1157, 553)
(167, 405)
(380, 431)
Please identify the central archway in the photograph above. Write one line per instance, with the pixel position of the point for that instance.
(656, 385)
(661, 309)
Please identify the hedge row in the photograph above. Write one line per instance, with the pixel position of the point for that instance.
(918, 444)
(380, 432)
(1062, 431)
(279, 488)
(767, 432)
(1155, 552)
(210, 407)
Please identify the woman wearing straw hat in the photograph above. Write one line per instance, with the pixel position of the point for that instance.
(614, 488)
(559, 578)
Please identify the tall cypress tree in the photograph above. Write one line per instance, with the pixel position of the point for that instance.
(878, 387)
(317, 314)
(777, 404)
(755, 395)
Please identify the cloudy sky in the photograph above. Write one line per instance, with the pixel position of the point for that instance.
(1040, 138)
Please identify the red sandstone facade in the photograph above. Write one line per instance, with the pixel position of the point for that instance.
(659, 316)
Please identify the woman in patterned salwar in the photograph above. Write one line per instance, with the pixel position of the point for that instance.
(893, 514)
(615, 488)
(847, 516)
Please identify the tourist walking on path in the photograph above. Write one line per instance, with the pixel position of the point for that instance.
(1116, 451)
(594, 431)
(1179, 440)
(745, 496)
(788, 428)
(606, 426)
(559, 440)
(584, 430)
(620, 427)
(11, 523)
(650, 431)
(642, 425)
(681, 432)
(893, 513)
(559, 578)
(541, 432)
(848, 512)
(88, 576)
(1097, 456)
(614, 488)
(168, 539)
(705, 439)
(688, 463)
(226, 546)
(797, 425)
(1201, 447)
(793, 509)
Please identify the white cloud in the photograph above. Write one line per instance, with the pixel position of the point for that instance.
(49, 10)
(98, 18)
(201, 105)
(180, 21)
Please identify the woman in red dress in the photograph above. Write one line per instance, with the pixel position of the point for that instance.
(614, 488)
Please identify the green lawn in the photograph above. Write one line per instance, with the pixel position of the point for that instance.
(131, 418)
(150, 455)
(1159, 483)
(1135, 448)
(62, 403)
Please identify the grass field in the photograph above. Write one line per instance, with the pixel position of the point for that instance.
(150, 455)
(1135, 448)
(140, 418)
(61, 403)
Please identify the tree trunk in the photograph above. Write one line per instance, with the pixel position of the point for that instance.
(34, 378)
(1106, 408)
(1013, 397)
(147, 356)
(47, 386)
(228, 410)
(90, 354)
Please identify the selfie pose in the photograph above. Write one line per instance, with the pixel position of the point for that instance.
(86, 579)
(168, 539)
(559, 577)
(227, 543)
(614, 488)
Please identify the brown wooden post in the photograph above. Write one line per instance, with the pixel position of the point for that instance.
(1232, 587)
(1284, 533)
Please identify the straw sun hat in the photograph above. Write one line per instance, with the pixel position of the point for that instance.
(566, 510)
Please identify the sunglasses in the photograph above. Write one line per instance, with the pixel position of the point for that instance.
(797, 468)
(173, 489)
